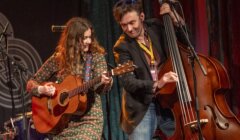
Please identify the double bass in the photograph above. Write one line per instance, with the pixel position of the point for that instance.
(197, 101)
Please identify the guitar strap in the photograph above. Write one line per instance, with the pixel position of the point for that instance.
(88, 66)
(87, 76)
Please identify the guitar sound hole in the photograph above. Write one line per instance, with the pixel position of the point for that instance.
(63, 98)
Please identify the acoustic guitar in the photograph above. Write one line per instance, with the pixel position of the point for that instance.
(51, 114)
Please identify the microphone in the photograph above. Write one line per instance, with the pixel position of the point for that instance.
(4, 31)
(160, 1)
(58, 28)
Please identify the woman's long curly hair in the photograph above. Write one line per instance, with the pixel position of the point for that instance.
(68, 49)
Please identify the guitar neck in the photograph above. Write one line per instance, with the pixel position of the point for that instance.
(86, 85)
(126, 67)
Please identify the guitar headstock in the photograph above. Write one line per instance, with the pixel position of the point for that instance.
(124, 68)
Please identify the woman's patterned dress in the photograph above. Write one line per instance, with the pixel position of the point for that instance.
(90, 125)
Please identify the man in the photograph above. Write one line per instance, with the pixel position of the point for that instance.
(143, 42)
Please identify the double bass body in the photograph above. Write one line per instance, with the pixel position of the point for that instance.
(217, 122)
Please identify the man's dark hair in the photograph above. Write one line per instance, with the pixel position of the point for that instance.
(124, 6)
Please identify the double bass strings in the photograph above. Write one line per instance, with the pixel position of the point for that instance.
(182, 86)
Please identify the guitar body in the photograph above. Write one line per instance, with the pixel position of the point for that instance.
(51, 114)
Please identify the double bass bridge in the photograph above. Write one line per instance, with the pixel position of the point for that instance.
(194, 126)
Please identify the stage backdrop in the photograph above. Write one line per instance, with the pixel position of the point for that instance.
(214, 31)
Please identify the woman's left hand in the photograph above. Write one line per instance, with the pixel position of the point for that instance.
(106, 80)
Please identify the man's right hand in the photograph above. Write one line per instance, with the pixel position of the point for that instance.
(169, 77)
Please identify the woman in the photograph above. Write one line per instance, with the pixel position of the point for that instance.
(78, 53)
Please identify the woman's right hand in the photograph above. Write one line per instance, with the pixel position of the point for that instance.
(47, 89)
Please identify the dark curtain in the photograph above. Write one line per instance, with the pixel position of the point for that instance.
(224, 32)
(232, 56)
(107, 31)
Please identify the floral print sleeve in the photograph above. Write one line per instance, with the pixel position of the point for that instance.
(43, 74)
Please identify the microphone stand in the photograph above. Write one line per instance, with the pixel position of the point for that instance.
(192, 57)
(20, 69)
(7, 64)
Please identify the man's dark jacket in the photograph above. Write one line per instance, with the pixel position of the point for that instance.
(138, 86)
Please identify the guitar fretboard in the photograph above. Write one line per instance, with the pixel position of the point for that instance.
(86, 86)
